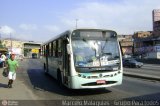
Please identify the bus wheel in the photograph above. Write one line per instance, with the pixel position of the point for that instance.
(45, 69)
(59, 78)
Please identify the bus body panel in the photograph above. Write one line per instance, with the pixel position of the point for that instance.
(77, 82)
(52, 66)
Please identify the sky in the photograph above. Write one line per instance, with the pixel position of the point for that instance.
(41, 20)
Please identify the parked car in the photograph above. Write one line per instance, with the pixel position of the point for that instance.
(132, 63)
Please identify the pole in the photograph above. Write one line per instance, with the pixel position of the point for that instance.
(11, 42)
(0, 36)
(0, 33)
(76, 23)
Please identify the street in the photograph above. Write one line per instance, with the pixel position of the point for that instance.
(33, 84)
(149, 69)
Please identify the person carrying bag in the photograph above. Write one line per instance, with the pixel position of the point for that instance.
(5, 72)
(12, 66)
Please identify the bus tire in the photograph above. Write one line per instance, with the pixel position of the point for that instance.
(59, 78)
(45, 69)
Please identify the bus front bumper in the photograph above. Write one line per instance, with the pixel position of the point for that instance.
(84, 83)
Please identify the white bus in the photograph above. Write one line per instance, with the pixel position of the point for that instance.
(84, 58)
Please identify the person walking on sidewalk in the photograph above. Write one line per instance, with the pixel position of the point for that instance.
(12, 66)
(3, 59)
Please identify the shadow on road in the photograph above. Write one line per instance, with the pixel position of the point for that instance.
(3, 85)
(43, 82)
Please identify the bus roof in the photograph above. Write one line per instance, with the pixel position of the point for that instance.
(56, 37)
(70, 31)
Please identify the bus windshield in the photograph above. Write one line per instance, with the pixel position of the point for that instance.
(96, 53)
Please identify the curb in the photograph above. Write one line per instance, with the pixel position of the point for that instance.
(149, 77)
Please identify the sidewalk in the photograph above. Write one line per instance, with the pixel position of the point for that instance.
(19, 91)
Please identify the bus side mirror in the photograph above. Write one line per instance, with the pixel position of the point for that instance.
(67, 39)
(69, 49)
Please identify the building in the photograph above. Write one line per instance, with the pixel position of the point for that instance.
(3, 49)
(156, 15)
(140, 42)
(157, 26)
(156, 31)
(32, 49)
(27, 49)
(156, 22)
(13, 45)
(142, 34)
(146, 45)
(126, 43)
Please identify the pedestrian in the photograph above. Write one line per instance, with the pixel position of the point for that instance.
(7, 55)
(3, 59)
(12, 66)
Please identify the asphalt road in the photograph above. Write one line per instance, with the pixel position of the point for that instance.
(149, 69)
(32, 82)
(47, 88)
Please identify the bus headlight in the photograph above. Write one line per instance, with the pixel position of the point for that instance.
(79, 75)
(88, 77)
(84, 76)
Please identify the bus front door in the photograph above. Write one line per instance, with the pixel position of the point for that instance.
(66, 65)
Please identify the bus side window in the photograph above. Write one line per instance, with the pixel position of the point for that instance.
(60, 48)
(56, 51)
(44, 48)
(54, 48)
(47, 50)
(42, 51)
(50, 49)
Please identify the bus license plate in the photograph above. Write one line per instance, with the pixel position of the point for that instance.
(101, 81)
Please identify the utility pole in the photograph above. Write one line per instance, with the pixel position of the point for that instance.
(11, 42)
(0, 33)
(0, 38)
(76, 23)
